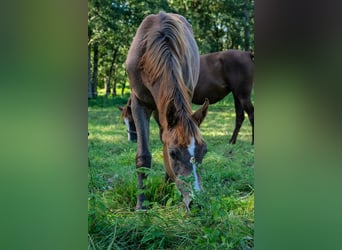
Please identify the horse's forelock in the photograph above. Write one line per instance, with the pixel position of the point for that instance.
(187, 129)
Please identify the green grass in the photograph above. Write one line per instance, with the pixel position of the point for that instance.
(222, 216)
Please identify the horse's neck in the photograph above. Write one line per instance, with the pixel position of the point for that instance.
(162, 115)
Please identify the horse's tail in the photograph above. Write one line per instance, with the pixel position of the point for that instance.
(251, 55)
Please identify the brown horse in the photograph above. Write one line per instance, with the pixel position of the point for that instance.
(220, 73)
(225, 72)
(163, 68)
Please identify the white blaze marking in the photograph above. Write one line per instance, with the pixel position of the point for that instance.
(191, 149)
(127, 125)
(196, 184)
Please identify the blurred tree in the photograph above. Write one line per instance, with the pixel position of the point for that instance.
(217, 25)
(90, 90)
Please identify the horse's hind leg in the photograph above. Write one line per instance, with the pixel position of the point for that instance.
(238, 120)
(141, 116)
(249, 108)
(250, 111)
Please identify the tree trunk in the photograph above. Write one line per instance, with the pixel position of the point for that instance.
(114, 86)
(247, 28)
(106, 82)
(90, 92)
(114, 82)
(123, 88)
(218, 46)
(95, 68)
(108, 85)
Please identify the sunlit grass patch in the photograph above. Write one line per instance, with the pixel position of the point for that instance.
(222, 216)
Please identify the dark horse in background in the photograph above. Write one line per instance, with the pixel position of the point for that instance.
(220, 73)
(163, 68)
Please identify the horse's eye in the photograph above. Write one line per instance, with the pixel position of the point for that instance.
(173, 153)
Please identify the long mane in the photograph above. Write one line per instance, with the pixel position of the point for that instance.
(169, 60)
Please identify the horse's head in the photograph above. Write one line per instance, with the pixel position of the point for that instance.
(127, 116)
(184, 146)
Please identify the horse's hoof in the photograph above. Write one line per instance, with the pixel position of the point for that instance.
(142, 209)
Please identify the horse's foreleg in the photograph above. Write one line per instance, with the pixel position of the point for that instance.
(142, 162)
(238, 120)
(141, 116)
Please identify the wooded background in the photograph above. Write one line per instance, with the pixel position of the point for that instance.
(217, 24)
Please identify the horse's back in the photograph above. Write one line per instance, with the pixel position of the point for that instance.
(233, 67)
(239, 68)
(150, 23)
(223, 72)
(157, 37)
(136, 50)
(237, 60)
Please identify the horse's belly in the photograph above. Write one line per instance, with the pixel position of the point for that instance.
(214, 91)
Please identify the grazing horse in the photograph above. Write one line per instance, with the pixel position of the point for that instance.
(163, 67)
(220, 73)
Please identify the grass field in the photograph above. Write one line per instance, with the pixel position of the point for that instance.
(222, 216)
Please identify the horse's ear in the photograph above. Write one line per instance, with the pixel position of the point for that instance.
(171, 115)
(129, 102)
(200, 113)
(128, 105)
